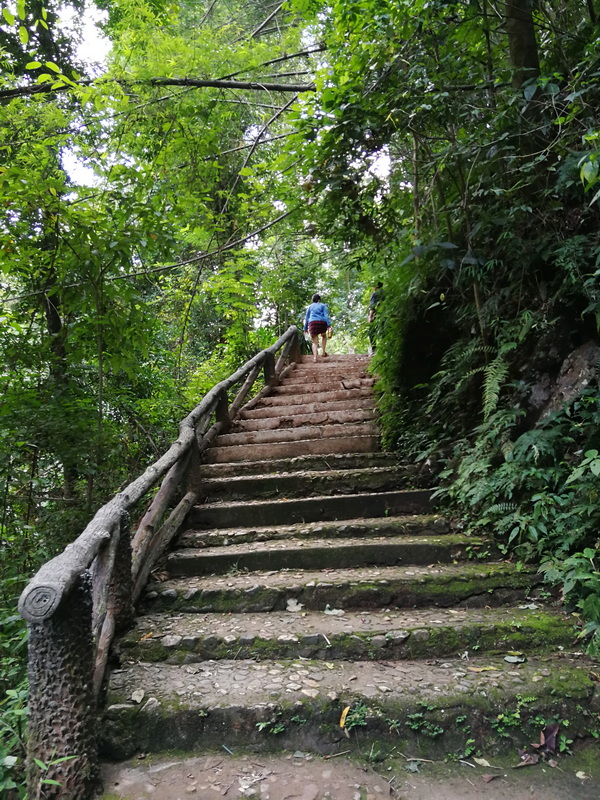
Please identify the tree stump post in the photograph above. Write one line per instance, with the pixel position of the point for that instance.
(62, 711)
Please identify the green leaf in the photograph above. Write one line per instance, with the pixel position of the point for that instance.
(23, 35)
(8, 16)
(51, 65)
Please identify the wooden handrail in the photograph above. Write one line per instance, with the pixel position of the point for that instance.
(78, 600)
(45, 591)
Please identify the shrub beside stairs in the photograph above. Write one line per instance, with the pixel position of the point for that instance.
(316, 602)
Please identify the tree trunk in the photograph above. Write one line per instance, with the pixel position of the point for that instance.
(522, 44)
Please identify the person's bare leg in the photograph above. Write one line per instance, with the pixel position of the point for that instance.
(315, 346)
(323, 342)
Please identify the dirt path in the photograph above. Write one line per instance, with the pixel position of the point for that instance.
(302, 776)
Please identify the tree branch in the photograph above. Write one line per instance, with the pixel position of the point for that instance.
(144, 272)
(46, 88)
(266, 21)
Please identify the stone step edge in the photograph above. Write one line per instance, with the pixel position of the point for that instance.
(471, 633)
(272, 411)
(329, 553)
(289, 465)
(343, 528)
(346, 445)
(434, 708)
(283, 435)
(288, 422)
(307, 474)
(399, 494)
(468, 585)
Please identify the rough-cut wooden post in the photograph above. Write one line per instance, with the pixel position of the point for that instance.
(121, 597)
(295, 354)
(222, 409)
(269, 367)
(62, 712)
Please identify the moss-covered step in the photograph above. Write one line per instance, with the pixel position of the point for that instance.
(333, 634)
(304, 447)
(310, 509)
(323, 431)
(308, 463)
(303, 484)
(426, 709)
(325, 554)
(414, 525)
(470, 585)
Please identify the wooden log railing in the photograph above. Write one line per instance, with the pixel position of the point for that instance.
(79, 600)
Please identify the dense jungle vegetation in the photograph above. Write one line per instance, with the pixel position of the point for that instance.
(169, 213)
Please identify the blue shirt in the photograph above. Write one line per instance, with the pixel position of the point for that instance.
(317, 311)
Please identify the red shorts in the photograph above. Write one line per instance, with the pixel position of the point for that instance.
(317, 326)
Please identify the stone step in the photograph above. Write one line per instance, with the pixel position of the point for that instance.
(303, 484)
(311, 463)
(468, 585)
(324, 554)
(422, 525)
(344, 359)
(303, 374)
(430, 708)
(325, 384)
(289, 450)
(297, 434)
(326, 397)
(334, 406)
(360, 635)
(303, 420)
(310, 509)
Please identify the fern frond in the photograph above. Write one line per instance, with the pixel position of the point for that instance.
(495, 375)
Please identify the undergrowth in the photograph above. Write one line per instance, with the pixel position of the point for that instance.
(538, 492)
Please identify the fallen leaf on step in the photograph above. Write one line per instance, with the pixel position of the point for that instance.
(489, 778)
(334, 612)
(582, 776)
(515, 659)
(482, 762)
(293, 605)
(344, 715)
(483, 669)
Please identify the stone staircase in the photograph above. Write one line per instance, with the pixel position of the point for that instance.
(314, 601)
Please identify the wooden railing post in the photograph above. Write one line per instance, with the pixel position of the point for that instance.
(295, 354)
(121, 591)
(62, 712)
(269, 369)
(222, 409)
